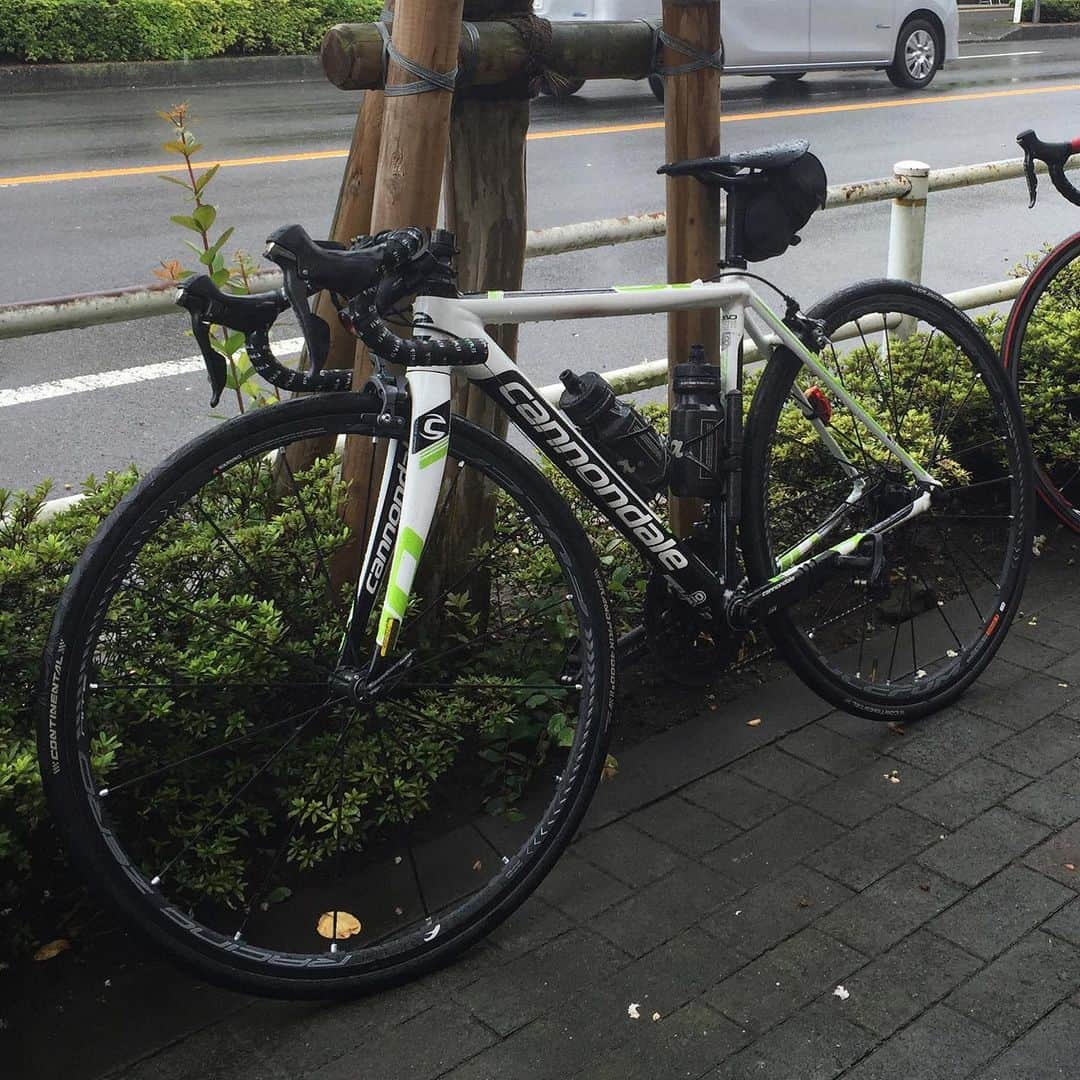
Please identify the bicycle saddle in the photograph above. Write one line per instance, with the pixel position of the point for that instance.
(764, 159)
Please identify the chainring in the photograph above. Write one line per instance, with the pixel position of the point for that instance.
(692, 650)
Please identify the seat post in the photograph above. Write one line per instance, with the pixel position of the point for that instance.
(735, 229)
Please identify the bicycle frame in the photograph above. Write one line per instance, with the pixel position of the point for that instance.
(414, 474)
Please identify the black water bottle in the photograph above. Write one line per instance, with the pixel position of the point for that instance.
(618, 430)
(697, 423)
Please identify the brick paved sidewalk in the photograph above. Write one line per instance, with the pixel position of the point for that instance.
(729, 883)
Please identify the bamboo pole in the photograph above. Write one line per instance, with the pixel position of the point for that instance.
(691, 130)
(408, 184)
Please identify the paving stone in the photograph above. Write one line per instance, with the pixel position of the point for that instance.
(941, 742)
(818, 1044)
(874, 735)
(1043, 747)
(773, 846)
(939, 1045)
(1049, 801)
(772, 987)
(1054, 857)
(1066, 923)
(661, 910)
(628, 854)
(780, 772)
(982, 846)
(1000, 911)
(517, 993)
(827, 749)
(686, 827)
(890, 909)
(1047, 1052)
(904, 982)
(1030, 654)
(853, 798)
(592, 1021)
(1022, 703)
(423, 1047)
(685, 1044)
(1066, 670)
(1048, 631)
(999, 673)
(874, 848)
(734, 799)
(967, 791)
(763, 917)
(579, 888)
(216, 1053)
(533, 924)
(1021, 985)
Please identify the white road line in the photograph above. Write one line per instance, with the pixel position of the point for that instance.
(106, 380)
(996, 55)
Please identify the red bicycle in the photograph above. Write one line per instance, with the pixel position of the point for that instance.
(1041, 347)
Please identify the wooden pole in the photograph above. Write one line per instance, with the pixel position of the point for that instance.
(692, 130)
(408, 183)
(352, 52)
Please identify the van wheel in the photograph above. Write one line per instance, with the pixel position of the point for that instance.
(788, 76)
(917, 57)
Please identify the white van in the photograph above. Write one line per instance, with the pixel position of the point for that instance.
(908, 39)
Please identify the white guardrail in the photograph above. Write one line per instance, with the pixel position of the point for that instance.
(908, 189)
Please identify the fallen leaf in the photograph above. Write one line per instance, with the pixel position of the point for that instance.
(633, 1010)
(656, 1016)
(347, 925)
(802, 902)
(478, 865)
(713, 706)
(894, 779)
(53, 948)
(841, 993)
(398, 911)
(756, 722)
(1063, 685)
(1069, 866)
(925, 886)
(895, 728)
(611, 768)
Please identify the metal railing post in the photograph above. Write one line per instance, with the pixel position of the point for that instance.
(907, 229)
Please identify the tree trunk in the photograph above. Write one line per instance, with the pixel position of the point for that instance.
(692, 130)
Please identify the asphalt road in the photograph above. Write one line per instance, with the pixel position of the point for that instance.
(59, 236)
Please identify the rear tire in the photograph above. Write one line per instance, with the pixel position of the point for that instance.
(914, 639)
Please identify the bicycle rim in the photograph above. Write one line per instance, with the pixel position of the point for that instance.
(906, 639)
(259, 824)
(1041, 352)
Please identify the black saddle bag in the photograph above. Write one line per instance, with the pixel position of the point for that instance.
(776, 211)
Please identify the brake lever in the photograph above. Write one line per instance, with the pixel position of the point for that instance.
(1032, 178)
(315, 330)
(216, 369)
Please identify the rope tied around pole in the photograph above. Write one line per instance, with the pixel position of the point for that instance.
(698, 58)
(425, 80)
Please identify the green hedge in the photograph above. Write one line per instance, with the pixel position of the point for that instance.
(1055, 11)
(95, 30)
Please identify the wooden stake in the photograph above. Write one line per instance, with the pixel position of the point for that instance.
(692, 130)
(408, 183)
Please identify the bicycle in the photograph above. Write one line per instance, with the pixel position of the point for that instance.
(329, 786)
(1040, 345)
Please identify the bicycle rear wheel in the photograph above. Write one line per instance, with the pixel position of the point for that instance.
(1041, 353)
(220, 790)
(911, 639)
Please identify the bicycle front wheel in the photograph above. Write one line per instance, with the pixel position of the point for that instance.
(901, 638)
(1041, 353)
(223, 791)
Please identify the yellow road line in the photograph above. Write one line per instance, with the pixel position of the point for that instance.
(560, 133)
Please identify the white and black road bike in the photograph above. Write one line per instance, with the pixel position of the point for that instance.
(305, 779)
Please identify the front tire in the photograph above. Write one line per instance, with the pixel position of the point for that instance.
(917, 57)
(221, 791)
(913, 638)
